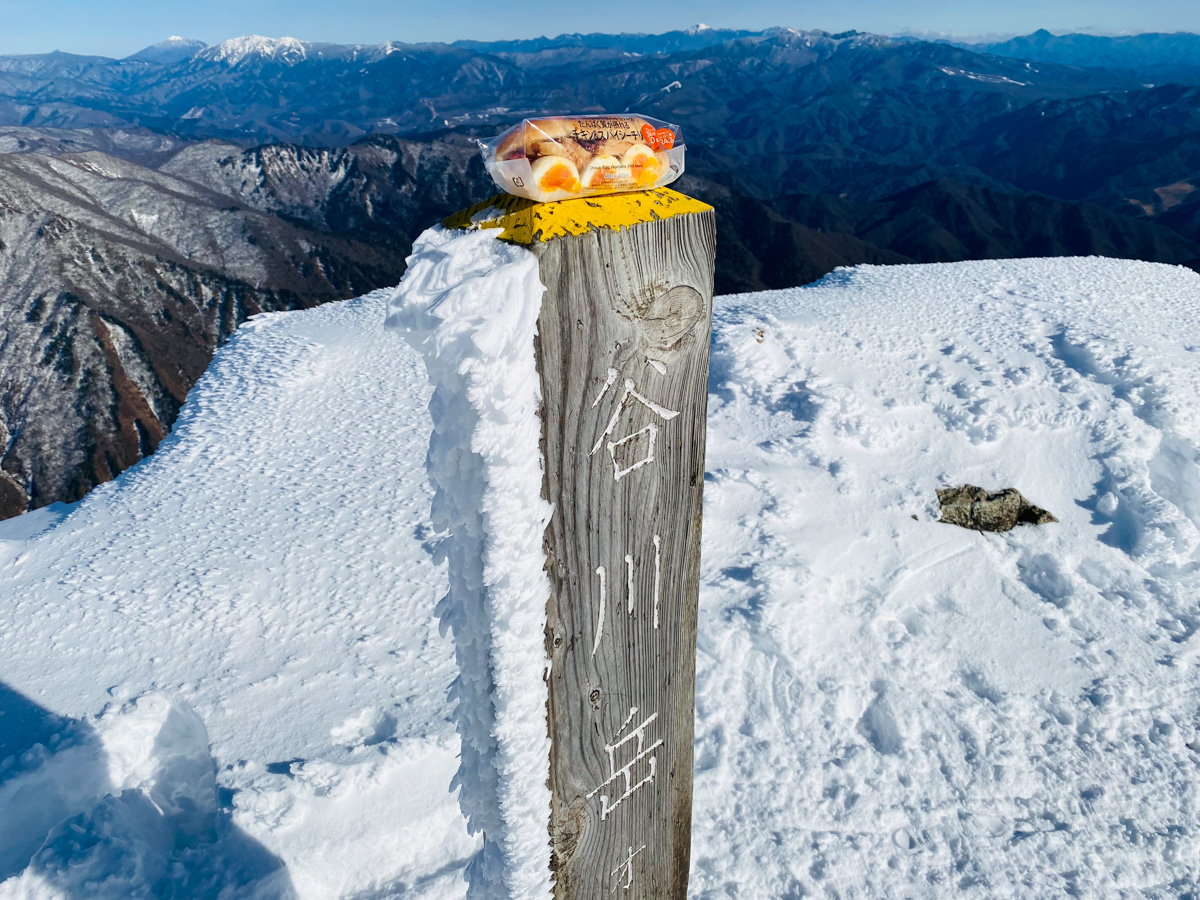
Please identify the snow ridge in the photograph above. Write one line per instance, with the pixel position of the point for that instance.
(469, 305)
(239, 49)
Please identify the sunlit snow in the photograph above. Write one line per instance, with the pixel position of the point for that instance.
(224, 670)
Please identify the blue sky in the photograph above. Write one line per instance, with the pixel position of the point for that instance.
(120, 27)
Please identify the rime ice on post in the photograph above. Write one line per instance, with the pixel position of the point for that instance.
(621, 352)
(469, 304)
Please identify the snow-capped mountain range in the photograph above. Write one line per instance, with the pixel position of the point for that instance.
(817, 149)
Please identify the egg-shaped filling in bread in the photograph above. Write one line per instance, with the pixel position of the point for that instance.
(555, 173)
(603, 173)
(645, 166)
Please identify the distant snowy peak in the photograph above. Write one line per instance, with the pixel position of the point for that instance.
(824, 38)
(288, 51)
(174, 49)
(236, 51)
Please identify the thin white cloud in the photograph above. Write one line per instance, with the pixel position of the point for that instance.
(994, 37)
(957, 37)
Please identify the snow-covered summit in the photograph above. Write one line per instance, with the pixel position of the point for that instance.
(172, 50)
(287, 50)
(815, 37)
(246, 619)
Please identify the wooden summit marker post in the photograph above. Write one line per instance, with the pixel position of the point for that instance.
(622, 353)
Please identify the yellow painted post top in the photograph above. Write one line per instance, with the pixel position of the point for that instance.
(526, 221)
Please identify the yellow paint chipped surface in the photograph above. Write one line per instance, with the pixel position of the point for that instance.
(525, 221)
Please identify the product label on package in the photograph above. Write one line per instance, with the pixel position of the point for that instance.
(658, 138)
(604, 129)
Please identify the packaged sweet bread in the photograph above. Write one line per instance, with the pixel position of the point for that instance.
(563, 157)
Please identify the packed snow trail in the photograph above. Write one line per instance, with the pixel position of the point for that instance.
(885, 707)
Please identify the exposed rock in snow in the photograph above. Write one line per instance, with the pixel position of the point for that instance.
(979, 715)
(973, 507)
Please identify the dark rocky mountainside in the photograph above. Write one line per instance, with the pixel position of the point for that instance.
(117, 282)
(797, 238)
(1160, 57)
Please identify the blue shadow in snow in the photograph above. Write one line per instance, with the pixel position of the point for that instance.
(62, 818)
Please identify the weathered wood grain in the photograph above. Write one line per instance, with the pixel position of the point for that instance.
(623, 350)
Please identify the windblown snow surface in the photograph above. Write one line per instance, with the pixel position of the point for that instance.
(222, 673)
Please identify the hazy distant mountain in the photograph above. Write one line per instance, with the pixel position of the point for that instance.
(776, 111)
(594, 49)
(255, 88)
(1132, 51)
(174, 49)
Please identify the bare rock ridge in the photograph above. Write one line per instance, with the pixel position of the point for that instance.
(975, 508)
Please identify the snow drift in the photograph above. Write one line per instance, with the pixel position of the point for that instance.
(268, 569)
(129, 804)
(946, 713)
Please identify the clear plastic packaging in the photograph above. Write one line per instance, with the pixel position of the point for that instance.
(564, 157)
